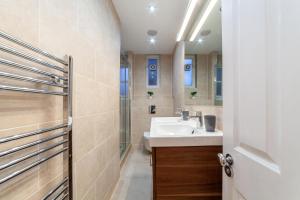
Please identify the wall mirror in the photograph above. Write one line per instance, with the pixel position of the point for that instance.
(203, 64)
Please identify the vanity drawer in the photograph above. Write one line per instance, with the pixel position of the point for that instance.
(187, 173)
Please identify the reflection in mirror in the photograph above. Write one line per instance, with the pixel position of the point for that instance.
(203, 63)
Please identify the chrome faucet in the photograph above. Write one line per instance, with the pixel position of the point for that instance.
(184, 114)
(199, 116)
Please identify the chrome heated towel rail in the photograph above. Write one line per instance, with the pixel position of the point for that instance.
(56, 75)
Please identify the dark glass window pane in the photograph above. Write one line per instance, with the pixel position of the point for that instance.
(188, 61)
(152, 71)
(123, 81)
(188, 78)
(188, 72)
(219, 74)
(123, 89)
(219, 89)
(123, 74)
(126, 74)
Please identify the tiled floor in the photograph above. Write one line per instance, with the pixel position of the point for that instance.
(136, 178)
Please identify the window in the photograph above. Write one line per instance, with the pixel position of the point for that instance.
(124, 81)
(218, 80)
(152, 71)
(189, 71)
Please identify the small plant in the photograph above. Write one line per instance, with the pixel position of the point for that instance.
(150, 94)
(193, 94)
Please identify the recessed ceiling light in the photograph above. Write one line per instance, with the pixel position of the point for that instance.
(152, 40)
(191, 7)
(201, 22)
(152, 33)
(200, 40)
(152, 8)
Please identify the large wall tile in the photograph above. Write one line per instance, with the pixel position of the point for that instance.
(89, 30)
(163, 97)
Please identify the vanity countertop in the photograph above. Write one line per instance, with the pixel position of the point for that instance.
(173, 131)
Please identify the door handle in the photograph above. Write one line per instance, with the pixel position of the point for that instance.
(227, 159)
(226, 162)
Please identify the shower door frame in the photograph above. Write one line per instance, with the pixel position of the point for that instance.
(127, 98)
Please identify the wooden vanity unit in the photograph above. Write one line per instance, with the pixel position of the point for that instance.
(186, 173)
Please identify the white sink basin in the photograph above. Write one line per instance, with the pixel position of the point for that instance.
(172, 126)
(173, 131)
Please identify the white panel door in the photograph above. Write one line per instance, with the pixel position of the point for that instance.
(261, 58)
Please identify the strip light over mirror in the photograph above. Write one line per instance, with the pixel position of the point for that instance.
(203, 18)
(191, 7)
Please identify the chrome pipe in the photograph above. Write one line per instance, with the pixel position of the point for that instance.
(70, 123)
(17, 173)
(30, 79)
(31, 144)
(30, 90)
(55, 189)
(70, 88)
(12, 51)
(36, 153)
(60, 193)
(32, 133)
(30, 69)
(28, 46)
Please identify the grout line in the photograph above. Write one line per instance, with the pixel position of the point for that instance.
(93, 115)
(93, 149)
(100, 174)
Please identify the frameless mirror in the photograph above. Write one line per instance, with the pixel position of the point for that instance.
(203, 64)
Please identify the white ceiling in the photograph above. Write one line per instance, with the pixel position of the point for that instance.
(136, 20)
(212, 42)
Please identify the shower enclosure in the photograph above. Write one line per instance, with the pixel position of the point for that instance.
(125, 74)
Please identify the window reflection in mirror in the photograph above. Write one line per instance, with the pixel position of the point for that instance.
(218, 84)
(203, 68)
(189, 71)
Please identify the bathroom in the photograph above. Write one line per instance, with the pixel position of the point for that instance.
(149, 99)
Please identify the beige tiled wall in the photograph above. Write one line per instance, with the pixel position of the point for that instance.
(88, 30)
(140, 118)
